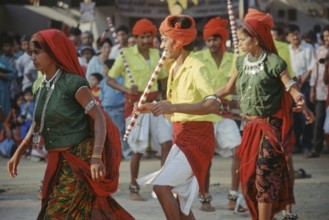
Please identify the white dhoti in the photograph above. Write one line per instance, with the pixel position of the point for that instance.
(146, 125)
(227, 137)
(176, 172)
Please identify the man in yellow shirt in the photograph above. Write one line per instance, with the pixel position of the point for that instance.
(142, 60)
(282, 48)
(192, 105)
(227, 134)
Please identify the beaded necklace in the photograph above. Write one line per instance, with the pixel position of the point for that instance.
(37, 134)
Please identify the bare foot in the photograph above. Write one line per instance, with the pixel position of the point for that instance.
(206, 207)
(136, 197)
(39, 195)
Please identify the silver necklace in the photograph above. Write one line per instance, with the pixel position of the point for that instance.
(252, 68)
(47, 82)
(36, 135)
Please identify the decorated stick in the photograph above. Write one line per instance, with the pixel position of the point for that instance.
(116, 40)
(146, 92)
(233, 27)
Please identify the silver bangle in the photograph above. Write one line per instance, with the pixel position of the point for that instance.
(90, 105)
(289, 84)
(213, 97)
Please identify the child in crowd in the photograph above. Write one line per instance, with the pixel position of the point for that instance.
(95, 82)
(87, 52)
(113, 103)
(26, 116)
(10, 135)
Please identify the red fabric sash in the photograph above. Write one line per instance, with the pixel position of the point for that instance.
(105, 207)
(282, 141)
(131, 99)
(197, 141)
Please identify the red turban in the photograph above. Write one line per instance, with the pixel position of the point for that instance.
(182, 36)
(216, 26)
(61, 49)
(144, 26)
(259, 25)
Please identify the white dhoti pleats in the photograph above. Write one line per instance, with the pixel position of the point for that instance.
(176, 172)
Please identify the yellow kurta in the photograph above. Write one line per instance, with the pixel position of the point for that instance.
(284, 53)
(190, 85)
(139, 68)
(219, 75)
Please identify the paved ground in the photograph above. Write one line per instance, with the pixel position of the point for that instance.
(18, 200)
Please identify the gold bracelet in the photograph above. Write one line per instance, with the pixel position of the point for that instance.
(96, 156)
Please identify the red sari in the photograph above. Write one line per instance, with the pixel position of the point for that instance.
(104, 206)
(255, 134)
(63, 52)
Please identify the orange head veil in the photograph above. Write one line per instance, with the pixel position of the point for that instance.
(216, 26)
(259, 25)
(183, 36)
(61, 49)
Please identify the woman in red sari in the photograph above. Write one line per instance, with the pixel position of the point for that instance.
(83, 144)
(263, 85)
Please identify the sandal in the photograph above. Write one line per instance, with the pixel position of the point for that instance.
(289, 216)
(301, 174)
(134, 188)
(312, 155)
(235, 203)
(134, 193)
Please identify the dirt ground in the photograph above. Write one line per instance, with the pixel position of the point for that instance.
(18, 196)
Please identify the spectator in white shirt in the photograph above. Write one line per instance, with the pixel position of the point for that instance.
(319, 93)
(122, 34)
(302, 60)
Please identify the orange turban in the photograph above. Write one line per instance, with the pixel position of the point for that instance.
(144, 26)
(216, 26)
(180, 35)
(259, 25)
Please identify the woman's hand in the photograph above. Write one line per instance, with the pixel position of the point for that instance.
(12, 165)
(301, 107)
(162, 107)
(97, 169)
(300, 103)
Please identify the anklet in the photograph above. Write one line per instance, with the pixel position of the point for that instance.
(134, 188)
(205, 198)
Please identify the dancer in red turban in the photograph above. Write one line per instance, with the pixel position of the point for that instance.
(263, 85)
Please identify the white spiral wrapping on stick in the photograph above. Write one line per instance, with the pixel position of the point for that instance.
(233, 27)
(146, 92)
(116, 41)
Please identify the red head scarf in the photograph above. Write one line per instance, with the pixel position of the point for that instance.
(259, 25)
(61, 49)
(216, 26)
(144, 26)
(182, 36)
